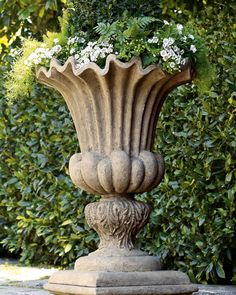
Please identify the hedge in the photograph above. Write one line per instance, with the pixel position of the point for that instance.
(193, 224)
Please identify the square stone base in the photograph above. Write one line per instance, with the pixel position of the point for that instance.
(73, 282)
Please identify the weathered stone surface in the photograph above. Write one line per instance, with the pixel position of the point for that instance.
(216, 290)
(10, 290)
(117, 220)
(133, 290)
(26, 288)
(115, 111)
(118, 263)
(117, 173)
(120, 283)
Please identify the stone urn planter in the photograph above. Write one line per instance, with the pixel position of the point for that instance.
(115, 112)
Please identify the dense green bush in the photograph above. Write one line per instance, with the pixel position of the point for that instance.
(193, 224)
(44, 211)
(194, 218)
(28, 16)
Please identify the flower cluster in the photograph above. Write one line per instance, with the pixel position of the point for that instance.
(170, 46)
(92, 53)
(172, 53)
(153, 40)
(173, 50)
(42, 54)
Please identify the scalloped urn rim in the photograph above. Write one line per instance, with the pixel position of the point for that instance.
(55, 63)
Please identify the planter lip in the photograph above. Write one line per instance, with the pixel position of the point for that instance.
(111, 58)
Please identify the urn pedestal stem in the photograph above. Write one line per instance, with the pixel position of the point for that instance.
(115, 111)
(117, 220)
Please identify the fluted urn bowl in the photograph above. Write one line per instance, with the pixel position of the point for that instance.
(115, 111)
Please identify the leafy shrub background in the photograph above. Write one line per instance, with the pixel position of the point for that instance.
(193, 223)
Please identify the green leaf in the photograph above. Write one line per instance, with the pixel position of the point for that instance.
(233, 280)
(219, 270)
(228, 177)
(67, 248)
(41, 11)
(66, 222)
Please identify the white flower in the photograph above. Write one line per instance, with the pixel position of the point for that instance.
(72, 40)
(184, 60)
(56, 49)
(177, 11)
(27, 63)
(103, 54)
(56, 40)
(184, 38)
(86, 60)
(166, 22)
(72, 51)
(39, 50)
(91, 44)
(92, 52)
(168, 41)
(163, 53)
(81, 40)
(32, 56)
(171, 53)
(191, 36)
(172, 65)
(179, 28)
(176, 48)
(178, 59)
(153, 40)
(193, 48)
(37, 61)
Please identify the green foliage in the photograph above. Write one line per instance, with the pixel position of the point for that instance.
(42, 211)
(194, 219)
(193, 223)
(168, 44)
(127, 27)
(88, 13)
(62, 35)
(194, 207)
(21, 78)
(32, 17)
(205, 72)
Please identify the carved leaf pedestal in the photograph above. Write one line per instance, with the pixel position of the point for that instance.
(115, 111)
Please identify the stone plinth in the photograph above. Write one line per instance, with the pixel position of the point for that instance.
(120, 283)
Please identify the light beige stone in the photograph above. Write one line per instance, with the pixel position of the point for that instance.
(115, 112)
(120, 283)
(117, 263)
